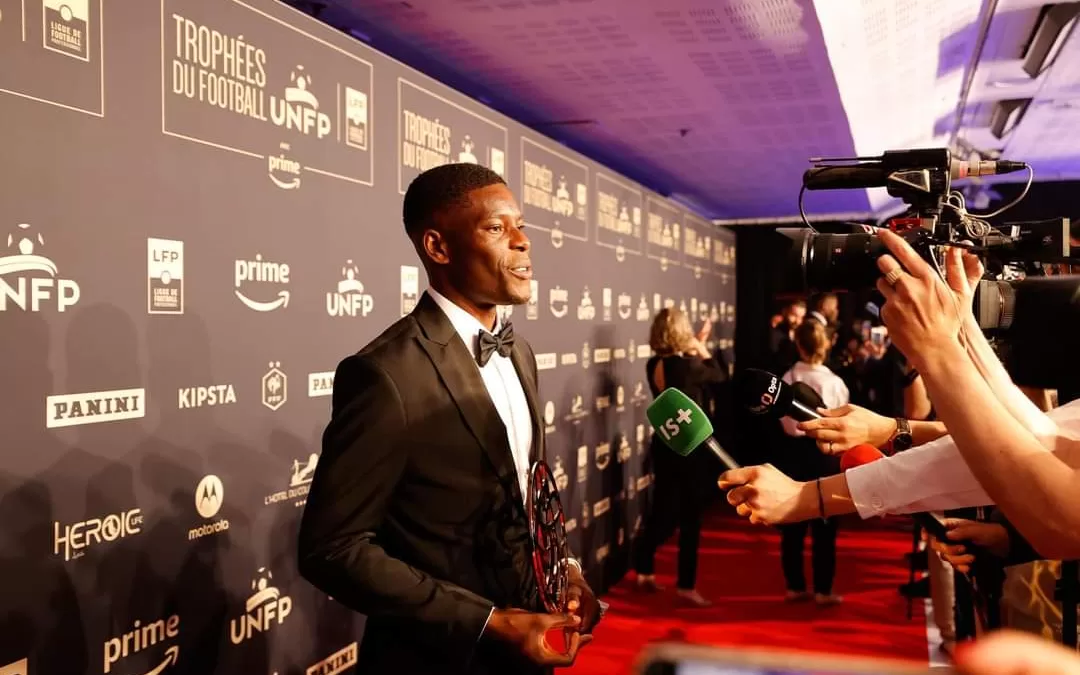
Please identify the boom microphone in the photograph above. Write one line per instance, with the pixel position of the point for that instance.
(683, 426)
(903, 166)
(763, 393)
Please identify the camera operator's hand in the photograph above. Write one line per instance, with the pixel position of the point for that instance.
(963, 270)
(765, 495)
(847, 426)
(991, 537)
(921, 311)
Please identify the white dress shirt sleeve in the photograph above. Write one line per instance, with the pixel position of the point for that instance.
(930, 477)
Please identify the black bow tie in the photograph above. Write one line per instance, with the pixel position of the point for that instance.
(501, 342)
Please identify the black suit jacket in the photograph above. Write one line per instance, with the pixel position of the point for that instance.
(415, 516)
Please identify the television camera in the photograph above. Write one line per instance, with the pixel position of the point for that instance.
(1016, 302)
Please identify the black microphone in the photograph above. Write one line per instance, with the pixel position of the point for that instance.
(808, 396)
(899, 165)
(763, 393)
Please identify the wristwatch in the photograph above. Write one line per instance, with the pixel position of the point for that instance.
(901, 438)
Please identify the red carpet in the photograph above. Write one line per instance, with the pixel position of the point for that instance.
(739, 569)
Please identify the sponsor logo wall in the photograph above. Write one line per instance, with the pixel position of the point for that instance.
(205, 220)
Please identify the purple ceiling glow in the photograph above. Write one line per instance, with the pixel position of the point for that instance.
(720, 103)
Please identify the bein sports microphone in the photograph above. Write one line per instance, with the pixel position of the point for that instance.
(683, 426)
(763, 393)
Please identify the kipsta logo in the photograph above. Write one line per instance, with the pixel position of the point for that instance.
(28, 278)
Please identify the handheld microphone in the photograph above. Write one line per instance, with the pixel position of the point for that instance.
(805, 394)
(683, 426)
(763, 393)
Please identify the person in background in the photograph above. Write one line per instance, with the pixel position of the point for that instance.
(825, 309)
(683, 484)
(781, 337)
(802, 458)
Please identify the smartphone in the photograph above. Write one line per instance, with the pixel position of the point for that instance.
(877, 335)
(684, 659)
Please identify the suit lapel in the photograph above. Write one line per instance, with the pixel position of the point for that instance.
(461, 377)
(525, 374)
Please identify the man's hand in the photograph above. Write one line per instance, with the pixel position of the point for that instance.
(991, 537)
(763, 494)
(582, 602)
(847, 426)
(527, 632)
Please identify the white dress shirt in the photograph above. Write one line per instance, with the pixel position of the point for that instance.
(502, 383)
(930, 477)
(825, 382)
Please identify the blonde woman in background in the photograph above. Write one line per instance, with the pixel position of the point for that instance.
(683, 484)
(802, 458)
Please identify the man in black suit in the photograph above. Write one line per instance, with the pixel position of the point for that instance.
(415, 516)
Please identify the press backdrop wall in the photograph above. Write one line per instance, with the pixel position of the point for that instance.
(199, 217)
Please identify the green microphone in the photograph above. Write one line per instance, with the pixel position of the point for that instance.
(683, 426)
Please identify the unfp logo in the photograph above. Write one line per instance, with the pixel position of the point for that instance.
(672, 426)
(28, 278)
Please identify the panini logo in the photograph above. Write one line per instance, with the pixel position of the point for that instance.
(70, 410)
(320, 384)
(338, 662)
(546, 361)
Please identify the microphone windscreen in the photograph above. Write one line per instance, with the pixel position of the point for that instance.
(763, 393)
(806, 395)
(681, 424)
(859, 455)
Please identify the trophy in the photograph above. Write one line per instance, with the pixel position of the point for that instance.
(547, 530)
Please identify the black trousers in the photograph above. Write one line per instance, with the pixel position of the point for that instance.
(822, 556)
(678, 501)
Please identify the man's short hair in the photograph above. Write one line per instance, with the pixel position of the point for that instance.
(439, 188)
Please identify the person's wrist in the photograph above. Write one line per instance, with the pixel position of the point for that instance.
(806, 503)
(935, 357)
(885, 429)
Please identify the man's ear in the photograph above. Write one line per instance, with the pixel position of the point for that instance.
(435, 246)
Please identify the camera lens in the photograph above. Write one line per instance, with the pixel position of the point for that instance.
(819, 262)
(823, 261)
(842, 261)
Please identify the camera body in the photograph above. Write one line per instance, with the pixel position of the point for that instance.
(1020, 308)
(937, 219)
